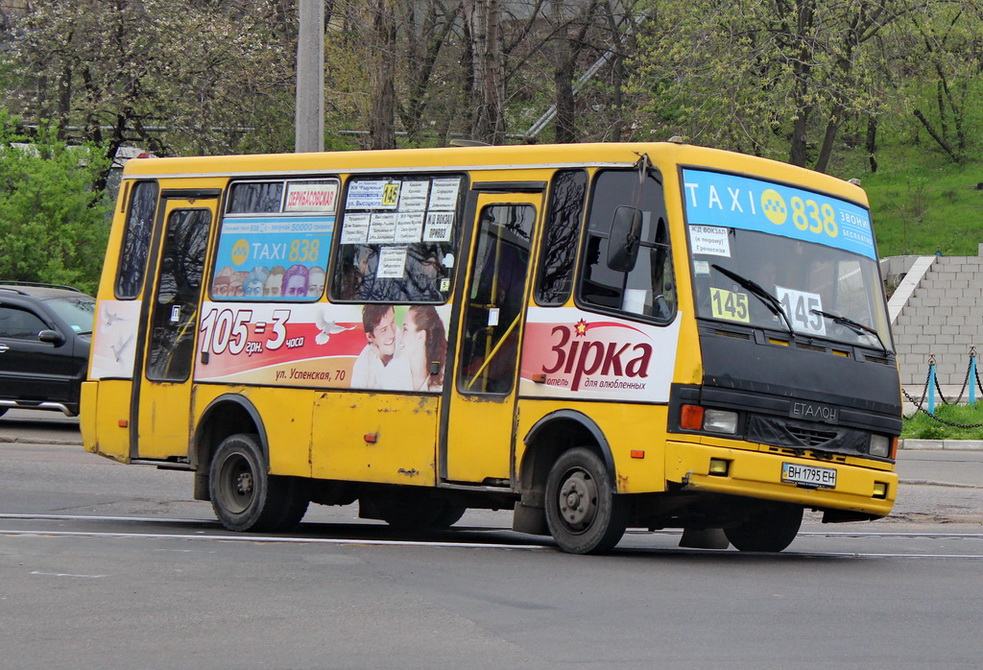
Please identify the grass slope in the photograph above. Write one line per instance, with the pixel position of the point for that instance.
(922, 203)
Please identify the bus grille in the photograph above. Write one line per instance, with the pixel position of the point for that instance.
(790, 434)
(811, 437)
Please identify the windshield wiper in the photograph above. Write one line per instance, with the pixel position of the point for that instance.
(858, 328)
(770, 301)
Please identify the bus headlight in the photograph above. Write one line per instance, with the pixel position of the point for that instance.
(880, 446)
(719, 421)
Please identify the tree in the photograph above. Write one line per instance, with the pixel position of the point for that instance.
(767, 77)
(585, 43)
(483, 27)
(53, 223)
(172, 76)
(949, 62)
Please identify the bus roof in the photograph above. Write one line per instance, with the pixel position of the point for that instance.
(489, 157)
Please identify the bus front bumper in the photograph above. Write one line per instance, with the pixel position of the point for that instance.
(754, 474)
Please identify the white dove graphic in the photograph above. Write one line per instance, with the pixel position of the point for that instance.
(328, 328)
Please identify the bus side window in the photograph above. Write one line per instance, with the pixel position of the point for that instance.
(275, 239)
(647, 290)
(136, 240)
(566, 209)
(398, 239)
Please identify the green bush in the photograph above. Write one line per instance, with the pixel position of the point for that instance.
(53, 223)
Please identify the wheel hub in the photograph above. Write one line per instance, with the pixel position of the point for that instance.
(244, 483)
(578, 501)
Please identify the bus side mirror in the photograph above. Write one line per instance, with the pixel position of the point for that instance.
(626, 230)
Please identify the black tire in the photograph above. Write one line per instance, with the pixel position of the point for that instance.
(450, 515)
(410, 511)
(296, 498)
(770, 529)
(244, 495)
(583, 512)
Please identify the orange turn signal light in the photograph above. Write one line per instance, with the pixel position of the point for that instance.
(691, 417)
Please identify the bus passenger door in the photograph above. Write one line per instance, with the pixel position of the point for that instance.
(480, 408)
(161, 408)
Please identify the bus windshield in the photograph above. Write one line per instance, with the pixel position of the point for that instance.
(777, 257)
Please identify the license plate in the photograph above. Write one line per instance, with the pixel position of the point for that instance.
(809, 475)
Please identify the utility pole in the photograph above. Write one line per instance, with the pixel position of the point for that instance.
(309, 116)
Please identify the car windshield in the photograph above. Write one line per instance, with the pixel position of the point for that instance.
(79, 311)
(821, 291)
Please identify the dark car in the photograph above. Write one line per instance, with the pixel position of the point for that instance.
(45, 336)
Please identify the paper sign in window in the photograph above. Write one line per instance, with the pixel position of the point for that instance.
(382, 228)
(443, 194)
(392, 262)
(409, 227)
(311, 196)
(413, 196)
(356, 229)
(376, 194)
(438, 227)
(709, 240)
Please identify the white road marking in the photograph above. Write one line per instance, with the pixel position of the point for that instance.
(267, 539)
(271, 539)
(65, 574)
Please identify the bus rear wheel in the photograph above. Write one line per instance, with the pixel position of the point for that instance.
(245, 496)
(583, 513)
(769, 529)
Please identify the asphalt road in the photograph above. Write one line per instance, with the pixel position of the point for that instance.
(113, 566)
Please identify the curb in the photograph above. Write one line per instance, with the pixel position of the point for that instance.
(936, 445)
(41, 440)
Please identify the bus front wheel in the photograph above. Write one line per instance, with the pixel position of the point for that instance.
(245, 496)
(583, 513)
(769, 529)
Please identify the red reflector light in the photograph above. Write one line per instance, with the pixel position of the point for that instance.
(123, 423)
(371, 438)
(691, 417)
(638, 453)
